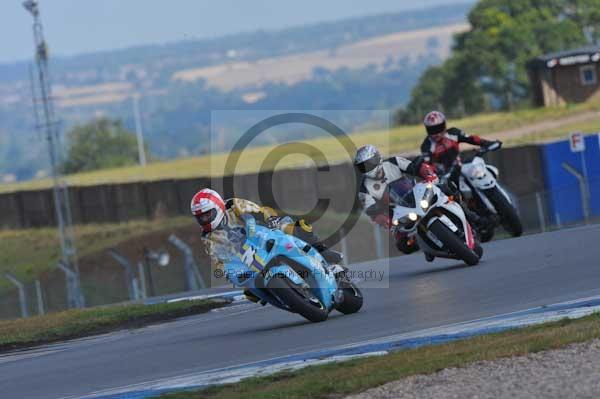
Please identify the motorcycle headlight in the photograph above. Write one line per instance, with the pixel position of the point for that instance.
(477, 173)
(406, 220)
(426, 200)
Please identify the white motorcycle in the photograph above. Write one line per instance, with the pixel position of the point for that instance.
(484, 195)
(438, 224)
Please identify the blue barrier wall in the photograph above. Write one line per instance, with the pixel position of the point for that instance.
(562, 188)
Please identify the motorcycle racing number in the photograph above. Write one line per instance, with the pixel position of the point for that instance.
(248, 256)
(446, 220)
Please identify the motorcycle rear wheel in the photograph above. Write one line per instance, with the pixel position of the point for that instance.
(288, 293)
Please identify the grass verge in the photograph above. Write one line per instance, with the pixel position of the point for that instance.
(22, 333)
(336, 380)
(29, 252)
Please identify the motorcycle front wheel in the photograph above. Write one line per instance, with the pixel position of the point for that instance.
(508, 214)
(298, 300)
(453, 243)
(353, 299)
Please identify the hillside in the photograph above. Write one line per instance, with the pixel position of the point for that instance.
(362, 63)
(298, 67)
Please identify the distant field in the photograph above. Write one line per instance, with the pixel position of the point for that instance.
(289, 69)
(514, 128)
(294, 68)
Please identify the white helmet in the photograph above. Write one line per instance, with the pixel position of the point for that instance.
(368, 161)
(209, 209)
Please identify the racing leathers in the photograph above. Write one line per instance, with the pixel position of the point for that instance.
(443, 152)
(220, 244)
(374, 194)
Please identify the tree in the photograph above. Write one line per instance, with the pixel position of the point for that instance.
(489, 62)
(99, 144)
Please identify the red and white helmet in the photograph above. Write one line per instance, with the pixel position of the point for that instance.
(435, 122)
(209, 209)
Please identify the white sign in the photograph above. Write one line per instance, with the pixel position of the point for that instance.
(577, 142)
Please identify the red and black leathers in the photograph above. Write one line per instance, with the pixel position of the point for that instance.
(444, 152)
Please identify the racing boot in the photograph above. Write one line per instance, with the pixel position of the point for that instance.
(253, 298)
(474, 219)
(304, 231)
(406, 245)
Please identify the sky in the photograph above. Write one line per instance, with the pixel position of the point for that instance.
(81, 26)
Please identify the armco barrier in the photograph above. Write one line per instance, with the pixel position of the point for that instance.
(162, 198)
(129, 201)
(96, 204)
(294, 189)
(38, 208)
(11, 210)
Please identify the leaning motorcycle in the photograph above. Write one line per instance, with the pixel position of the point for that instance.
(286, 272)
(485, 196)
(424, 212)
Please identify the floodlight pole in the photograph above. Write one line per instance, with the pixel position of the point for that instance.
(50, 125)
(139, 129)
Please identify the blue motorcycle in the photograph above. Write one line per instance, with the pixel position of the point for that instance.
(288, 273)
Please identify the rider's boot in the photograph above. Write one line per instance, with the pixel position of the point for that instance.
(251, 297)
(474, 219)
(429, 257)
(406, 245)
(304, 231)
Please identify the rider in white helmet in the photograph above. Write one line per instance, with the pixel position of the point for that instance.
(377, 174)
(219, 218)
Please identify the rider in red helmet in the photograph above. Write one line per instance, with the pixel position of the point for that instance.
(441, 148)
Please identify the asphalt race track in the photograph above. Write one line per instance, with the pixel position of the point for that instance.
(514, 274)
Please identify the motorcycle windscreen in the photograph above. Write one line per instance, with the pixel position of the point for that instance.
(401, 192)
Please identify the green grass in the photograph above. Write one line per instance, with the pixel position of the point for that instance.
(338, 380)
(398, 140)
(557, 133)
(71, 324)
(28, 253)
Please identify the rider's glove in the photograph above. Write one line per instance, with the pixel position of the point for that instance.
(449, 187)
(427, 172)
(383, 221)
(494, 145)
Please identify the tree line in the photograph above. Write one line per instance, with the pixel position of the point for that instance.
(488, 66)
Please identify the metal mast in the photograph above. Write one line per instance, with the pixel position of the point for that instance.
(51, 129)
